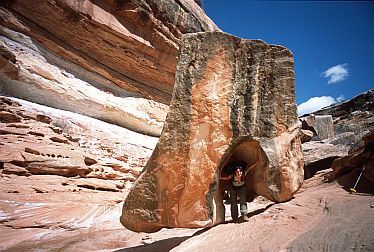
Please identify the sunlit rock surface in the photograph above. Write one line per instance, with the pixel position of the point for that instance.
(233, 100)
(111, 60)
(63, 174)
(40, 140)
(131, 44)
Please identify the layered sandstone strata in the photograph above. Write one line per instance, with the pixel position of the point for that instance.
(233, 99)
(111, 60)
(62, 173)
(37, 140)
(133, 44)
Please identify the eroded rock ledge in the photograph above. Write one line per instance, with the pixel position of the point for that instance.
(111, 60)
(132, 44)
(233, 99)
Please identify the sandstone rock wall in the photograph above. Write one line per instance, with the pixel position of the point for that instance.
(89, 56)
(37, 140)
(233, 100)
(131, 43)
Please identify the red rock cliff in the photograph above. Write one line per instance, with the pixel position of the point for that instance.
(81, 56)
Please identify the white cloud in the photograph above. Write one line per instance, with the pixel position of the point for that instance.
(316, 103)
(340, 98)
(336, 73)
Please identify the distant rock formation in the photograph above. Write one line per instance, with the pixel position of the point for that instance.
(352, 120)
(361, 102)
(103, 59)
(234, 99)
(322, 126)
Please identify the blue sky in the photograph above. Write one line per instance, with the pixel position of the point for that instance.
(332, 42)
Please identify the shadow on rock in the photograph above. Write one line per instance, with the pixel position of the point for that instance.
(160, 246)
(241, 219)
(261, 210)
(170, 243)
(355, 172)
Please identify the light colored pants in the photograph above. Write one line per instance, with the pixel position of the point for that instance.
(234, 192)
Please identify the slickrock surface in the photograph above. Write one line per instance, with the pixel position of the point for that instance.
(40, 140)
(233, 100)
(313, 221)
(62, 173)
(321, 216)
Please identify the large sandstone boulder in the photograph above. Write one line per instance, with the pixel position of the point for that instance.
(233, 100)
(320, 155)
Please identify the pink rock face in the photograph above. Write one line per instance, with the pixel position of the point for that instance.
(34, 143)
(233, 100)
(111, 60)
(132, 44)
(62, 172)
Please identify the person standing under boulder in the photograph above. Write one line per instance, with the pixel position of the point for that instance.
(237, 173)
